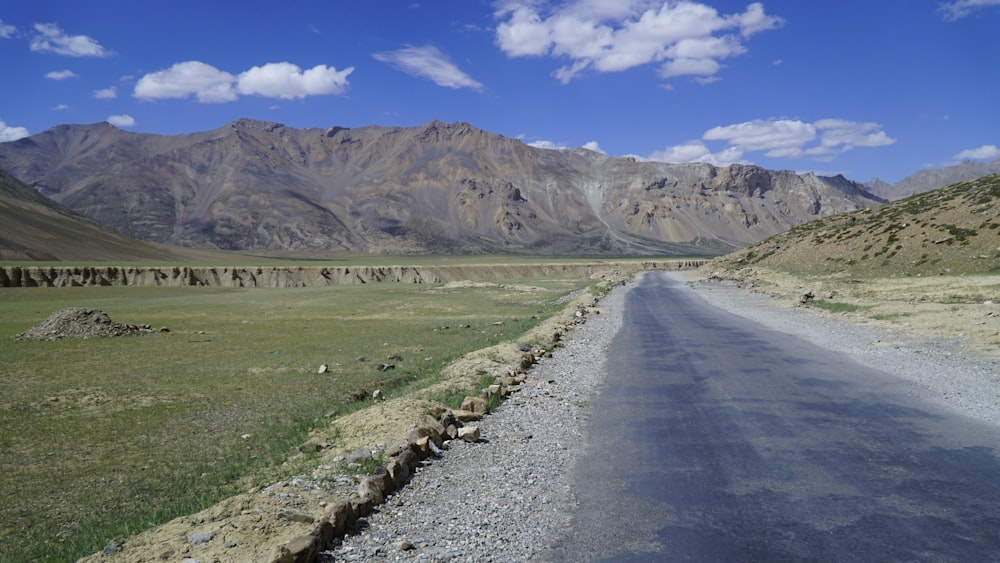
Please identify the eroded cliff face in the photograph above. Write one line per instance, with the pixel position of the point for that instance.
(437, 188)
(285, 277)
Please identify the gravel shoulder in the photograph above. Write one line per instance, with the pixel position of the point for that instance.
(509, 496)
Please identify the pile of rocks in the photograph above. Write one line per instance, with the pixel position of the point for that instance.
(81, 322)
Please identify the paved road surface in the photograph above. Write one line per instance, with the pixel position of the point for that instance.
(716, 439)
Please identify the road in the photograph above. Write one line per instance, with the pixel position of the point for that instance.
(716, 439)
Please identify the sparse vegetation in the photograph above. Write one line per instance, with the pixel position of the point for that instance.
(838, 306)
(105, 437)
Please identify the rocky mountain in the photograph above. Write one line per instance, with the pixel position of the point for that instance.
(954, 229)
(441, 188)
(36, 228)
(927, 180)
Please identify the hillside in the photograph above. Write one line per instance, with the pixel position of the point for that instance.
(955, 229)
(437, 188)
(35, 228)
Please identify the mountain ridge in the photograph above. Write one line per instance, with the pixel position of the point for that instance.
(436, 188)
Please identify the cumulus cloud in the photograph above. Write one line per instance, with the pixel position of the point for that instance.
(183, 80)
(288, 81)
(953, 11)
(428, 62)
(696, 151)
(60, 74)
(106, 93)
(985, 152)
(8, 133)
(51, 39)
(6, 31)
(208, 84)
(683, 38)
(123, 120)
(778, 138)
(553, 146)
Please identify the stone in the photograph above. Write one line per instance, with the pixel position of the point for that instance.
(399, 472)
(340, 515)
(295, 516)
(377, 395)
(323, 369)
(386, 367)
(428, 432)
(807, 297)
(476, 405)
(358, 456)
(466, 416)
(368, 487)
(313, 445)
(406, 545)
(198, 538)
(469, 433)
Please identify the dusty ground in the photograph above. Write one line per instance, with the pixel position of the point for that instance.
(961, 309)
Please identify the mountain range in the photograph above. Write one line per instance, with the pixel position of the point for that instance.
(932, 179)
(436, 188)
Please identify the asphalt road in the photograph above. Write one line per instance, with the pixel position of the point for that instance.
(716, 439)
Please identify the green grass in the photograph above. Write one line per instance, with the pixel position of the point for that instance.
(102, 438)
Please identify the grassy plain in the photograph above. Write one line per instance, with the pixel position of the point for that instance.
(101, 438)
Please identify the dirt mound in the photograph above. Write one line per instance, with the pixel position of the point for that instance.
(80, 322)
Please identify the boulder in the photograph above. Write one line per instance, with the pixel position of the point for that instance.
(466, 415)
(469, 433)
(475, 404)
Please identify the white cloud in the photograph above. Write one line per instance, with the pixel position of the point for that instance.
(428, 62)
(553, 146)
(190, 78)
(985, 152)
(8, 133)
(106, 93)
(60, 75)
(51, 39)
(6, 31)
(778, 138)
(208, 84)
(61, 107)
(685, 38)
(123, 120)
(953, 11)
(696, 151)
(288, 81)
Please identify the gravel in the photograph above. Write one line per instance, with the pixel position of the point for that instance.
(508, 497)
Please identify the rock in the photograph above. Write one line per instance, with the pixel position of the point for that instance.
(386, 367)
(313, 445)
(369, 488)
(475, 404)
(399, 472)
(377, 395)
(323, 368)
(466, 415)
(359, 455)
(469, 433)
(340, 515)
(295, 516)
(806, 297)
(406, 545)
(198, 538)
(360, 358)
(429, 432)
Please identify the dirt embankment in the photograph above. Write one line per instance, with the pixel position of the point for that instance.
(291, 276)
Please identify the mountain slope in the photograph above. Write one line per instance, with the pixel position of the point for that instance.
(953, 229)
(261, 186)
(927, 180)
(35, 228)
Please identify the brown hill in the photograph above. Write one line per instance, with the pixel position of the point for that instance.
(36, 228)
(265, 187)
(955, 229)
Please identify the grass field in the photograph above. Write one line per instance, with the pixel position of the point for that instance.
(101, 438)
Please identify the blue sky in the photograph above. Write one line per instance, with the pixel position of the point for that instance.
(867, 88)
